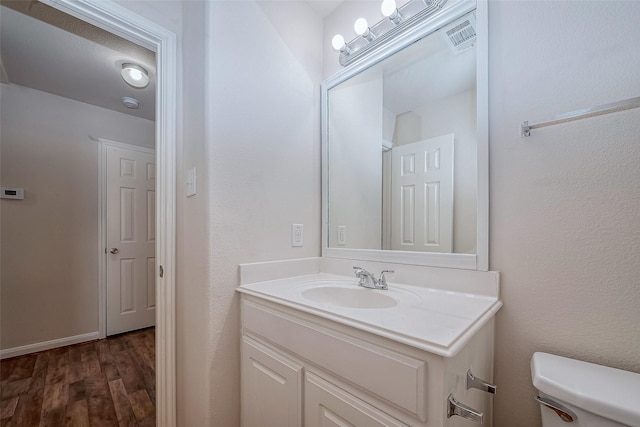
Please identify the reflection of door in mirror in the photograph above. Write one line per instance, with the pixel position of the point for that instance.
(421, 214)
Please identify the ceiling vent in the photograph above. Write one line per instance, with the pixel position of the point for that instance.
(461, 34)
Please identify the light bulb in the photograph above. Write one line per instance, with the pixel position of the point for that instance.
(388, 8)
(361, 27)
(135, 74)
(337, 42)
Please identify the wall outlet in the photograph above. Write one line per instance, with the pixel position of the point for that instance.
(342, 235)
(297, 235)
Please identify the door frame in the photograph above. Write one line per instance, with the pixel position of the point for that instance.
(108, 15)
(103, 144)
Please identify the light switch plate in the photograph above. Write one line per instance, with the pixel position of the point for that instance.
(297, 235)
(342, 235)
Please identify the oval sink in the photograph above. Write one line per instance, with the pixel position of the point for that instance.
(349, 297)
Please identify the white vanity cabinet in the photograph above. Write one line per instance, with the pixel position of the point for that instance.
(299, 369)
(271, 386)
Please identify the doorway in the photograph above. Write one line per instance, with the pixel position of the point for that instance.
(122, 22)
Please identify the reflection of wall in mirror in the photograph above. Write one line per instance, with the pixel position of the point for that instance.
(355, 178)
(457, 115)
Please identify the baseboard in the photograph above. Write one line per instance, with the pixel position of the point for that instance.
(48, 345)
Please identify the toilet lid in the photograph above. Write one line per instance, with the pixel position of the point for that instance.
(608, 392)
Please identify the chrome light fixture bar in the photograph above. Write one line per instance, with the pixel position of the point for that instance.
(396, 22)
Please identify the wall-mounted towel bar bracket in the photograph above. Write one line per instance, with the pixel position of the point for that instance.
(627, 104)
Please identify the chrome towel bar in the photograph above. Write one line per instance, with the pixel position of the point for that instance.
(614, 107)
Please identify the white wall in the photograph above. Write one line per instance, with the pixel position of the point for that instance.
(49, 240)
(564, 203)
(264, 68)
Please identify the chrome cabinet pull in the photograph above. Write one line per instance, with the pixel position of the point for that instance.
(456, 408)
(565, 414)
(474, 382)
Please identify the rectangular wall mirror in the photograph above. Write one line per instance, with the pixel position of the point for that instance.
(405, 147)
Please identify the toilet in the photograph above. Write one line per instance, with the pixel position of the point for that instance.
(580, 394)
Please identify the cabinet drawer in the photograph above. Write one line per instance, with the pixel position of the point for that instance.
(392, 376)
(327, 405)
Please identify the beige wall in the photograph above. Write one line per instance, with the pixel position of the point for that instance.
(564, 203)
(49, 240)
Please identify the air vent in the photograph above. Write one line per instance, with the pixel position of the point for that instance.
(460, 35)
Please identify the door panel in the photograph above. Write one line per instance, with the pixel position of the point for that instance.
(130, 252)
(271, 387)
(422, 195)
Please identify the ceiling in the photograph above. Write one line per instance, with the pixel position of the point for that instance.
(48, 50)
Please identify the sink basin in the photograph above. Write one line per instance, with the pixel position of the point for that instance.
(349, 297)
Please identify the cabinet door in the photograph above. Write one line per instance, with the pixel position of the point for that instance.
(271, 387)
(329, 406)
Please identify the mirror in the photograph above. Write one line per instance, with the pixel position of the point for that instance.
(405, 152)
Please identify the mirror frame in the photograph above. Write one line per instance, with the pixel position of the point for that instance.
(479, 260)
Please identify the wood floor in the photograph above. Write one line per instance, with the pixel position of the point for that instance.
(109, 382)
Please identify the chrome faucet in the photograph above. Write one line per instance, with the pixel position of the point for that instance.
(368, 280)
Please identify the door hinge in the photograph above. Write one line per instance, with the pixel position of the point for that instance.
(161, 272)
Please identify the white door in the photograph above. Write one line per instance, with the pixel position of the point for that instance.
(130, 237)
(422, 195)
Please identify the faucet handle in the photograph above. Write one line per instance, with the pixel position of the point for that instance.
(383, 280)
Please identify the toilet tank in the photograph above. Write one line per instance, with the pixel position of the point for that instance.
(610, 393)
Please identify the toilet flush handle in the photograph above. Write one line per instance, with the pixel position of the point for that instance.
(475, 382)
(565, 414)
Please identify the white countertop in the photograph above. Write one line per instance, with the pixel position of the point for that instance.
(434, 320)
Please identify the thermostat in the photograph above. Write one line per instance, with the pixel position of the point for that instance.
(12, 193)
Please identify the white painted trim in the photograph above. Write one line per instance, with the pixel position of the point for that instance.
(482, 104)
(112, 17)
(126, 146)
(477, 261)
(48, 345)
(102, 223)
(102, 239)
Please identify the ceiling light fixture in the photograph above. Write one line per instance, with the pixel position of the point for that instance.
(135, 75)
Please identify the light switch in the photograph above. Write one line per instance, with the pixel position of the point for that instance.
(191, 182)
(342, 235)
(297, 235)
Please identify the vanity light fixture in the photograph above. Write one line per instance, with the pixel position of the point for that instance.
(339, 44)
(361, 27)
(135, 75)
(390, 10)
(397, 21)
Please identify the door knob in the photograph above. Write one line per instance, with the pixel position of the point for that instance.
(114, 250)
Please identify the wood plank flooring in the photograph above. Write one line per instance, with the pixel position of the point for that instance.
(108, 382)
